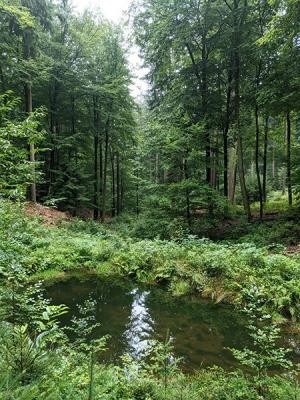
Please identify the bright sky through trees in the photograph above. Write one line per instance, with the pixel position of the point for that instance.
(112, 9)
(116, 10)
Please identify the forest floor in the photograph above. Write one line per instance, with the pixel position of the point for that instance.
(49, 216)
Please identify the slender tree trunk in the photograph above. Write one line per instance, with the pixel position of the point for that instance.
(242, 177)
(118, 185)
(28, 101)
(225, 133)
(103, 208)
(28, 109)
(283, 182)
(157, 168)
(288, 159)
(202, 81)
(232, 170)
(137, 206)
(122, 194)
(96, 164)
(237, 22)
(113, 184)
(265, 159)
(252, 165)
(100, 177)
(260, 191)
(273, 166)
(187, 192)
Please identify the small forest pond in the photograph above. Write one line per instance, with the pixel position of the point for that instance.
(131, 315)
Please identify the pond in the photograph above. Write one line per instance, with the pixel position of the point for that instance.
(201, 331)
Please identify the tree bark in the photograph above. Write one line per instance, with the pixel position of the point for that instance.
(265, 159)
(237, 23)
(113, 184)
(202, 81)
(273, 165)
(260, 191)
(104, 181)
(225, 144)
(96, 161)
(187, 192)
(118, 185)
(288, 159)
(28, 109)
(232, 169)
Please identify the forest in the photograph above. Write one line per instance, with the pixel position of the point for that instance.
(150, 242)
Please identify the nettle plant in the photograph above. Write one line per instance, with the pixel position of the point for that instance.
(265, 355)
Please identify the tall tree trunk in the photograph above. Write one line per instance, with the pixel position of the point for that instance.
(204, 93)
(202, 81)
(113, 184)
(100, 177)
(187, 192)
(225, 132)
(104, 181)
(283, 181)
(122, 194)
(96, 162)
(265, 159)
(232, 170)
(260, 191)
(242, 177)
(273, 165)
(237, 23)
(137, 203)
(225, 161)
(157, 168)
(28, 108)
(54, 131)
(118, 185)
(288, 159)
(28, 95)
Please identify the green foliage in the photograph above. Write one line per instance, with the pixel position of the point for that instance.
(217, 270)
(265, 355)
(16, 171)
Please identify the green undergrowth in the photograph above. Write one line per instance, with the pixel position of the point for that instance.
(38, 361)
(220, 271)
(67, 379)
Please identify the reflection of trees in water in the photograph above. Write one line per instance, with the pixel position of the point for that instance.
(200, 329)
(140, 326)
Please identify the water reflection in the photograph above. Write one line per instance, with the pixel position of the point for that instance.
(140, 326)
(202, 332)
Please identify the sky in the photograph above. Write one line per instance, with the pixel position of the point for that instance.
(116, 11)
(112, 9)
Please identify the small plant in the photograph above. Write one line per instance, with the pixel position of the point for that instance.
(265, 354)
(84, 327)
(161, 360)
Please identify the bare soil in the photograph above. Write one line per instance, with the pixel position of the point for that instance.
(50, 216)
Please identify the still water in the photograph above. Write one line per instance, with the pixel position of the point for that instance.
(201, 331)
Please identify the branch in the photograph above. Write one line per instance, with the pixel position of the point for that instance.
(193, 62)
(226, 2)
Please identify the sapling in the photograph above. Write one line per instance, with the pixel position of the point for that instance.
(84, 327)
(265, 354)
(161, 360)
